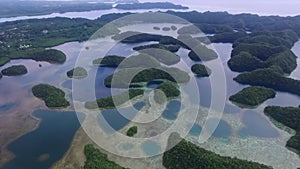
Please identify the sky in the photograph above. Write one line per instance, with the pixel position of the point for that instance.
(262, 7)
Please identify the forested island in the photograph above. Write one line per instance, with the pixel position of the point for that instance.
(15, 70)
(201, 70)
(77, 73)
(108, 61)
(113, 101)
(166, 90)
(188, 155)
(252, 96)
(145, 76)
(171, 48)
(290, 117)
(271, 78)
(132, 131)
(52, 96)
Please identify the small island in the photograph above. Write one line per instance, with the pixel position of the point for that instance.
(166, 29)
(200, 70)
(15, 70)
(156, 28)
(252, 96)
(132, 131)
(202, 53)
(108, 61)
(113, 101)
(271, 78)
(95, 159)
(290, 117)
(52, 96)
(174, 28)
(77, 73)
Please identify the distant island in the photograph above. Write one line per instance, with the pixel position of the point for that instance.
(15, 70)
(201, 70)
(290, 117)
(150, 5)
(52, 96)
(252, 96)
(77, 73)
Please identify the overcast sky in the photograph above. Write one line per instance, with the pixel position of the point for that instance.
(263, 7)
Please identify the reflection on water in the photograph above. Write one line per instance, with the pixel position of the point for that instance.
(256, 125)
(222, 131)
(112, 120)
(6, 107)
(47, 144)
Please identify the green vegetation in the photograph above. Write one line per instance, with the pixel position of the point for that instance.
(261, 51)
(166, 29)
(202, 53)
(169, 89)
(161, 53)
(52, 96)
(132, 131)
(14, 70)
(113, 101)
(95, 159)
(140, 61)
(156, 28)
(253, 96)
(270, 78)
(146, 75)
(171, 48)
(188, 155)
(150, 5)
(189, 30)
(11, 8)
(245, 62)
(4, 60)
(201, 70)
(174, 28)
(290, 117)
(77, 73)
(227, 37)
(108, 61)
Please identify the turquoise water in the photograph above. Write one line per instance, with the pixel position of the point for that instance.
(196, 130)
(47, 144)
(172, 110)
(150, 148)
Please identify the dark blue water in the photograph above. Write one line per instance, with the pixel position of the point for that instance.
(112, 120)
(222, 131)
(257, 126)
(172, 110)
(150, 148)
(51, 139)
